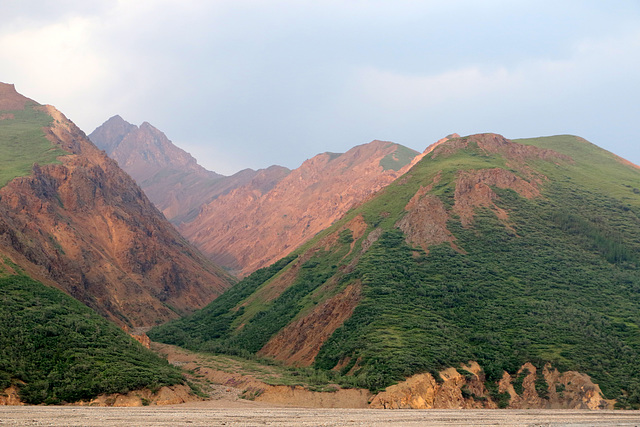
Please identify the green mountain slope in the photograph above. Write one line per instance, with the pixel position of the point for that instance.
(22, 142)
(490, 250)
(58, 350)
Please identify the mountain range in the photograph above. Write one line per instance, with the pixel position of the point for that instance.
(250, 219)
(73, 224)
(71, 218)
(482, 272)
(488, 250)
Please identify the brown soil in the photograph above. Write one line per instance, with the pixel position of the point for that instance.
(425, 223)
(473, 190)
(299, 342)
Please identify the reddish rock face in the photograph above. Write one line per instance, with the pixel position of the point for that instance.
(169, 176)
(87, 228)
(251, 227)
(248, 220)
(10, 99)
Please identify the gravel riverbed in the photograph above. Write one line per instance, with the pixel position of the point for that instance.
(255, 415)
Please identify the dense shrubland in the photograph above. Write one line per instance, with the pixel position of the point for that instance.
(558, 282)
(55, 349)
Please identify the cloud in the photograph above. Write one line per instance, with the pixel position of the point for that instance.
(55, 59)
(252, 83)
(588, 67)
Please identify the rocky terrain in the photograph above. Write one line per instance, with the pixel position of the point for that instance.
(254, 225)
(83, 225)
(248, 220)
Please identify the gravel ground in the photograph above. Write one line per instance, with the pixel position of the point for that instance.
(199, 415)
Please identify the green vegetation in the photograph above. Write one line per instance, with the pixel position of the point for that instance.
(542, 387)
(517, 382)
(213, 322)
(559, 282)
(269, 371)
(23, 143)
(501, 399)
(55, 349)
(398, 159)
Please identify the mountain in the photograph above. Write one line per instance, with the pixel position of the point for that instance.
(250, 219)
(257, 223)
(172, 179)
(521, 256)
(169, 176)
(71, 218)
(54, 349)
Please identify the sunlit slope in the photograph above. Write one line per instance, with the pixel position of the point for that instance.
(489, 250)
(23, 143)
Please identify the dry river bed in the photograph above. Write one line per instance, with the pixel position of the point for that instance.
(255, 414)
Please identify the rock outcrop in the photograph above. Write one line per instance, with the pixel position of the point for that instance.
(172, 395)
(567, 390)
(9, 396)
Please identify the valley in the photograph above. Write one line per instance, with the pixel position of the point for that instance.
(482, 273)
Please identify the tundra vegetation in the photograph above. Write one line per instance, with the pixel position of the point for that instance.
(22, 142)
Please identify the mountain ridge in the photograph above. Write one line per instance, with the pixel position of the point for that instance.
(212, 213)
(502, 252)
(249, 228)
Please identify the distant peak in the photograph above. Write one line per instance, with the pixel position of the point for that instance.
(117, 120)
(7, 87)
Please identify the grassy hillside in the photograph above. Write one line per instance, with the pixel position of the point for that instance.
(23, 143)
(398, 159)
(551, 278)
(56, 349)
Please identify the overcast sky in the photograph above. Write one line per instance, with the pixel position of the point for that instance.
(241, 83)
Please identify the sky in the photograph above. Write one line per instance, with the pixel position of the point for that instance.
(248, 83)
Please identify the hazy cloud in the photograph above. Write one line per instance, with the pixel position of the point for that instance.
(249, 83)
